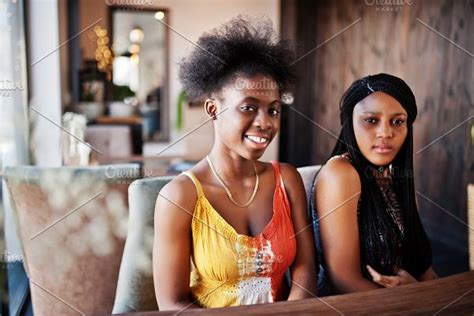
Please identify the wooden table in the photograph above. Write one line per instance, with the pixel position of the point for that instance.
(453, 295)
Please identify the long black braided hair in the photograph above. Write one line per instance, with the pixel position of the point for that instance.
(382, 245)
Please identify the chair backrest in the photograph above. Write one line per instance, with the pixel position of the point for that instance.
(307, 174)
(135, 290)
(71, 223)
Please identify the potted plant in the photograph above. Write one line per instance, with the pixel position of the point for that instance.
(124, 103)
(90, 104)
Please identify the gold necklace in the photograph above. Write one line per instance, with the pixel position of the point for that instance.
(229, 194)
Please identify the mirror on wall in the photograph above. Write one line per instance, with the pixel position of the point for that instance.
(123, 74)
(139, 69)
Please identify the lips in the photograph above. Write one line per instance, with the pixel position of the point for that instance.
(383, 149)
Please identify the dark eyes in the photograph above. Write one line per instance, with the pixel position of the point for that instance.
(254, 108)
(373, 121)
(370, 120)
(274, 112)
(398, 121)
(248, 108)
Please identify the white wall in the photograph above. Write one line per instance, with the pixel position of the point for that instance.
(44, 75)
(191, 18)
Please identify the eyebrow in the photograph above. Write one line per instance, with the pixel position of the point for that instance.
(277, 101)
(378, 113)
(249, 99)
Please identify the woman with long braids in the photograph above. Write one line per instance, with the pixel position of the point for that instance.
(227, 230)
(368, 230)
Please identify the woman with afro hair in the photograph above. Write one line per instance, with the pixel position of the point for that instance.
(367, 226)
(227, 230)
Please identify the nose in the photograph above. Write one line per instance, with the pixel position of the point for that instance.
(385, 130)
(263, 120)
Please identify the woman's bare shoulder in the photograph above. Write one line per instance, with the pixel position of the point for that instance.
(339, 171)
(177, 199)
(182, 188)
(338, 187)
(288, 171)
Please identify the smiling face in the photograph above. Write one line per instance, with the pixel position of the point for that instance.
(380, 127)
(248, 115)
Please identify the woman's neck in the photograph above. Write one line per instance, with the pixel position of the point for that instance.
(229, 165)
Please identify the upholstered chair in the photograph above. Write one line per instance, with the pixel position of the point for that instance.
(72, 225)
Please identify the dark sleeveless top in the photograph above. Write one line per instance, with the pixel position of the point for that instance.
(386, 187)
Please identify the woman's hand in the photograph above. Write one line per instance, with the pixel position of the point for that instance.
(402, 277)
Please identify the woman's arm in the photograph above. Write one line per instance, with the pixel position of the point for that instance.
(337, 194)
(303, 269)
(172, 244)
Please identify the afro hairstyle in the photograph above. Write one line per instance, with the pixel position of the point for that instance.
(242, 46)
